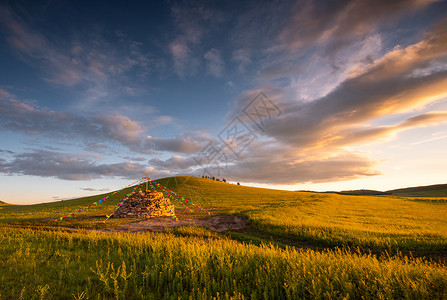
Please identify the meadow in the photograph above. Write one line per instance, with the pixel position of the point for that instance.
(296, 245)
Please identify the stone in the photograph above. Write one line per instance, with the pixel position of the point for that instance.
(145, 204)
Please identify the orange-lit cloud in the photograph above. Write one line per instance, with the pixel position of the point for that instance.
(381, 89)
(337, 22)
(313, 137)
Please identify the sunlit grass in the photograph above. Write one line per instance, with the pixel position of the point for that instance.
(164, 266)
(376, 223)
(388, 248)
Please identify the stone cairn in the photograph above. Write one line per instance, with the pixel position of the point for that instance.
(145, 204)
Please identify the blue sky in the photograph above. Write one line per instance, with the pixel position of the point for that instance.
(282, 94)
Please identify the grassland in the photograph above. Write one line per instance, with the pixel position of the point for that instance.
(297, 245)
(437, 190)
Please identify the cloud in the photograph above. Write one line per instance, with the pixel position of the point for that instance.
(24, 117)
(340, 167)
(87, 60)
(273, 163)
(94, 190)
(175, 162)
(361, 136)
(96, 130)
(379, 89)
(190, 18)
(68, 166)
(310, 140)
(323, 65)
(243, 58)
(214, 62)
(338, 22)
(6, 151)
(138, 158)
(187, 143)
(119, 128)
(194, 21)
(188, 21)
(184, 64)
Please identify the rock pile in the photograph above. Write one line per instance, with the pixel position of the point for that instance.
(145, 205)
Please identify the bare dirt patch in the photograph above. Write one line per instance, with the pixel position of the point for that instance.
(216, 223)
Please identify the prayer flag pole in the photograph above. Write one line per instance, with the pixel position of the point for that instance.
(147, 179)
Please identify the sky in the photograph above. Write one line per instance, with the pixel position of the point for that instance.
(296, 95)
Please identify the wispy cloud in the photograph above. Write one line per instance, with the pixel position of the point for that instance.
(24, 117)
(89, 61)
(194, 20)
(310, 141)
(95, 130)
(214, 62)
(434, 138)
(69, 166)
(280, 169)
(184, 64)
(175, 163)
(95, 190)
(243, 58)
(380, 89)
(339, 22)
(185, 143)
(330, 66)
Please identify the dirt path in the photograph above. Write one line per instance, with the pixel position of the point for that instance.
(214, 223)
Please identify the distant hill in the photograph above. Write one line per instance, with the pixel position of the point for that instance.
(436, 190)
(363, 193)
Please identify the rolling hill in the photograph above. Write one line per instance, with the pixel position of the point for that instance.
(362, 193)
(436, 190)
(295, 245)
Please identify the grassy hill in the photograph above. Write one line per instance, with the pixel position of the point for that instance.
(363, 193)
(296, 245)
(304, 219)
(437, 190)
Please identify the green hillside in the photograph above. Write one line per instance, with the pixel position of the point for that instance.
(437, 190)
(363, 193)
(43, 214)
(296, 245)
(305, 219)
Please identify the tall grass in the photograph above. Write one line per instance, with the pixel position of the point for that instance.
(81, 265)
(53, 262)
(376, 223)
